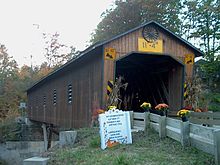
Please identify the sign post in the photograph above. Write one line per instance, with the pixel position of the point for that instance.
(22, 106)
(115, 128)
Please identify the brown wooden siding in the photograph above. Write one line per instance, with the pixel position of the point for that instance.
(86, 79)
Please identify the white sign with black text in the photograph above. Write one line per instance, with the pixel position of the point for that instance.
(115, 128)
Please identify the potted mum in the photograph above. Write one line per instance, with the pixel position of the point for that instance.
(162, 108)
(183, 113)
(146, 106)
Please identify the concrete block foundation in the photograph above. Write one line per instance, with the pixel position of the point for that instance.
(67, 138)
(35, 161)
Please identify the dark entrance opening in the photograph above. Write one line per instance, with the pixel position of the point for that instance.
(153, 78)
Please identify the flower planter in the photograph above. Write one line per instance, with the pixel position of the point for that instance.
(163, 113)
(146, 110)
(158, 112)
(183, 113)
(184, 118)
(146, 106)
(153, 111)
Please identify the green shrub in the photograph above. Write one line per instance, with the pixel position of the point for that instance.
(216, 98)
(9, 130)
(214, 104)
(214, 107)
(211, 101)
(2, 162)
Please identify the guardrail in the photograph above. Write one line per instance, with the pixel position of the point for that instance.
(203, 138)
(207, 118)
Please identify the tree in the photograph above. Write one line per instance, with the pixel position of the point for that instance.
(8, 68)
(26, 77)
(202, 22)
(127, 14)
(74, 53)
(124, 16)
(8, 71)
(55, 52)
(209, 72)
(7, 64)
(165, 12)
(14, 81)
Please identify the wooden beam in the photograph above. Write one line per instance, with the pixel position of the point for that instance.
(45, 136)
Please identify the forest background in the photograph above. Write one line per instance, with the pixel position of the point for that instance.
(197, 21)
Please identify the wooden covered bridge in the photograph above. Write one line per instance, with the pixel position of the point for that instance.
(153, 61)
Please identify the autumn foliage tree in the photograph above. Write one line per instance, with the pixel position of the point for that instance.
(8, 70)
(15, 81)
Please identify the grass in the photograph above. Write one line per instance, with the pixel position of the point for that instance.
(147, 148)
(95, 142)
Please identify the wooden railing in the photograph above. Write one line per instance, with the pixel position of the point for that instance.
(204, 138)
(206, 118)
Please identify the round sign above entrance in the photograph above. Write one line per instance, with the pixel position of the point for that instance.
(150, 34)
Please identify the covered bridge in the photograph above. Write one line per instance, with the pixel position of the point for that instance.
(153, 61)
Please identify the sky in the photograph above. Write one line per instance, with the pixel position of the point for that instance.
(24, 21)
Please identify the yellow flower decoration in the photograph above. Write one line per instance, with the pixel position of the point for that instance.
(145, 106)
(183, 112)
(112, 107)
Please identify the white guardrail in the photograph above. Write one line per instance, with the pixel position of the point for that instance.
(204, 138)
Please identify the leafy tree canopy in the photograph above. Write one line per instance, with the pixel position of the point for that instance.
(8, 70)
(7, 64)
(57, 53)
(202, 22)
(127, 14)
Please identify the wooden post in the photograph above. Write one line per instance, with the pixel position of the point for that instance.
(146, 120)
(211, 119)
(45, 136)
(216, 137)
(132, 118)
(49, 136)
(162, 126)
(184, 133)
